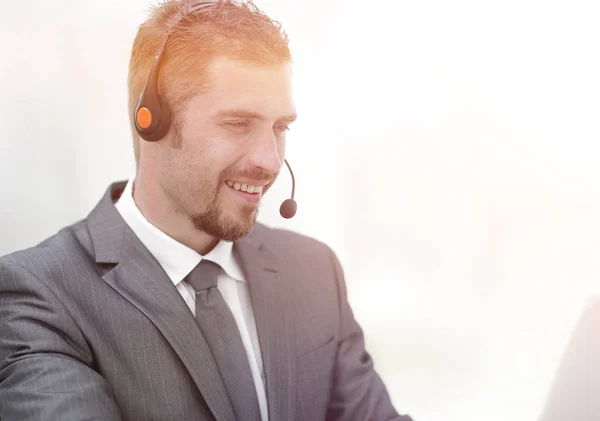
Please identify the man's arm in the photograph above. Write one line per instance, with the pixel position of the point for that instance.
(358, 392)
(45, 363)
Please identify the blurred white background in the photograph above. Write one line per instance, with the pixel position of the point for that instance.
(447, 151)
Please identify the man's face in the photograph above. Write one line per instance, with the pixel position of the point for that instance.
(231, 139)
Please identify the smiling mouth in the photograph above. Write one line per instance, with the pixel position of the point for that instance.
(246, 188)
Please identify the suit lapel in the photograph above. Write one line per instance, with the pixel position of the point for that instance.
(271, 300)
(139, 279)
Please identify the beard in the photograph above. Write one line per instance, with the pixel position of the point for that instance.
(217, 222)
(217, 219)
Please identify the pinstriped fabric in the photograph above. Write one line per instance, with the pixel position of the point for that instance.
(92, 328)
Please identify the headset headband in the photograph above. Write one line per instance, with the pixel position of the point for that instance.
(152, 114)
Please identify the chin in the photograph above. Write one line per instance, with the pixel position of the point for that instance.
(226, 223)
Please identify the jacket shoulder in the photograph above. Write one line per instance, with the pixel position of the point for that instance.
(53, 255)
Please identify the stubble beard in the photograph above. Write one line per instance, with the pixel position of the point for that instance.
(218, 223)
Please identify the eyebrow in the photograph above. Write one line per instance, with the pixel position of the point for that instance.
(238, 113)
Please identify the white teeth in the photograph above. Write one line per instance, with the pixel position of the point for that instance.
(244, 187)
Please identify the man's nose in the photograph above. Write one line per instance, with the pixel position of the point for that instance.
(267, 152)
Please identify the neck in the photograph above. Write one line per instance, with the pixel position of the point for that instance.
(157, 208)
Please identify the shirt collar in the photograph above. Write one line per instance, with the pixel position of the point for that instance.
(176, 259)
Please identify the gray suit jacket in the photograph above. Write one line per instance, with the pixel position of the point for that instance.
(91, 328)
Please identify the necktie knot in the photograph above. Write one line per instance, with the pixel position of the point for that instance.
(204, 276)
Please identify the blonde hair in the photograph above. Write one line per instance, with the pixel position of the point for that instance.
(234, 29)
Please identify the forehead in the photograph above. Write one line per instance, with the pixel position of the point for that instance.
(266, 89)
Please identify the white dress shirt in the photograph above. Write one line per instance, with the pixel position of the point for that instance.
(178, 260)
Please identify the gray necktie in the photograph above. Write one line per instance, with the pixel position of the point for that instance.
(223, 336)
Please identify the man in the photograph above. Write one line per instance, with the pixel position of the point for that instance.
(168, 302)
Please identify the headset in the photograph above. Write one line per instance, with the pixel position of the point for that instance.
(152, 113)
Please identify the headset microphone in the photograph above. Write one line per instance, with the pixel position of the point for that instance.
(289, 206)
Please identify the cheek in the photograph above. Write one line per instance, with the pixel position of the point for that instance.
(211, 157)
(281, 147)
(197, 157)
(206, 171)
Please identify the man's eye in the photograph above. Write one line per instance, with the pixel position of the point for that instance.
(282, 129)
(238, 124)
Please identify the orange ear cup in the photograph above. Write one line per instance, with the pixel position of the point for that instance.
(144, 117)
